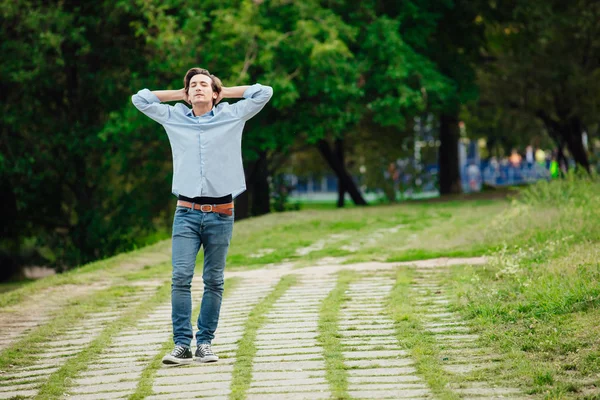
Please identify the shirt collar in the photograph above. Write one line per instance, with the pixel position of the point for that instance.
(210, 113)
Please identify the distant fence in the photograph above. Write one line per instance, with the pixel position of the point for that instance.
(473, 177)
(502, 174)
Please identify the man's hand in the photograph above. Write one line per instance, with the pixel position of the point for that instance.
(184, 96)
(221, 95)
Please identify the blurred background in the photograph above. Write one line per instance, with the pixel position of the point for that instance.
(375, 102)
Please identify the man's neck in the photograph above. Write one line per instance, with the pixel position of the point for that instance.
(201, 109)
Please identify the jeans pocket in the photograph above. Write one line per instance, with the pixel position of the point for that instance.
(226, 217)
(182, 210)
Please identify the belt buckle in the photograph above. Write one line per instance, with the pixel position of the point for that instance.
(210, 208)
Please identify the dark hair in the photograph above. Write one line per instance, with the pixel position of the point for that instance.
(216, 82)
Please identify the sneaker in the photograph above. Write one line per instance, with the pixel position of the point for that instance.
(205, 354)
(180, 355)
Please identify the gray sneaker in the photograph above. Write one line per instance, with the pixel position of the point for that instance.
(205, 354)
(180, 355)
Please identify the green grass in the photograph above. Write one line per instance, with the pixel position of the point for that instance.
(242, 369)
(335, 370)
(538, 299)
(322, 205)
(6, 287)
(420, 230)
(411, 335)
(375, 233)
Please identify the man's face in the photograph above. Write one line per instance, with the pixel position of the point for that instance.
(200, 90)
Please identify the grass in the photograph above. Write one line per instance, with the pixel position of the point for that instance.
(411, 335)
(538, 300)
(13, 285)
(335, 370)
(242, 369)
(377, 233)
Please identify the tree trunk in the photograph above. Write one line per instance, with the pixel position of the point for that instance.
(567, 132)
(449, 173)
(554, 129)
(9, 233)
(242, 206)
(339, 153)
(571, 131)
(341, 172)
(242, 202)
(256, 199)
(261, 200)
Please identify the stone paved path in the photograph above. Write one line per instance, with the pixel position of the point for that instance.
(39, 308)
(368, 336)
(212, 380)
(289, 361)
(59, 349)
(18, 320)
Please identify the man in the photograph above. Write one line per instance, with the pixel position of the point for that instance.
(207, 175)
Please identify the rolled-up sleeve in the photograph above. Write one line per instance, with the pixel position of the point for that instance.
(149, 104)
(255, 98)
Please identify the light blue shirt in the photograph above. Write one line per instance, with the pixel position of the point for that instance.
(207, 150)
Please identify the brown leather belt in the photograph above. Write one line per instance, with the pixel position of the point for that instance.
(226, 209)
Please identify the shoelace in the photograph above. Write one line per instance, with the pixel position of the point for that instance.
(178, 351)
(206, 350)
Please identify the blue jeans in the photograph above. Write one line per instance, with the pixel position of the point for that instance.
(191, 229)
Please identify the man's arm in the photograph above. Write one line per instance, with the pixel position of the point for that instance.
(255, 98)
(149, 102)
(234, 92)
(170, 95)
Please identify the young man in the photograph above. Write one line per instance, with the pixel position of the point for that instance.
(207, 175)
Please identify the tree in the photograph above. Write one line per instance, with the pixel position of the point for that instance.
(456, 48)
(547, 58)
(399, 82)
(63, 70)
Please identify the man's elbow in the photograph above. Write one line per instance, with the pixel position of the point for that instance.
(268, 92)
(138, 101)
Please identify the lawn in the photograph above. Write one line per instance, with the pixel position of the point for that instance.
(538, 298)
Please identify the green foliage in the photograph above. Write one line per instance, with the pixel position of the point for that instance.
(87, 176)
(65, 70)
(541, 78)
(399, 80)
(280, 194)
